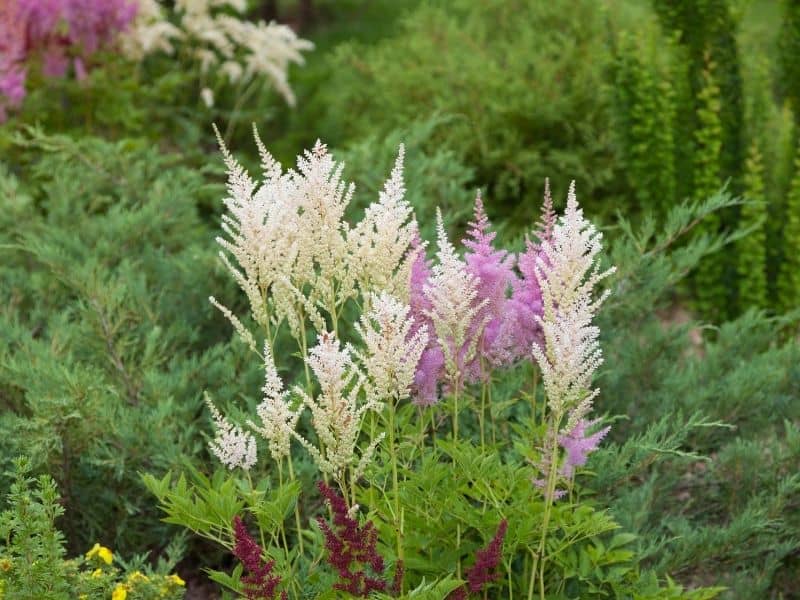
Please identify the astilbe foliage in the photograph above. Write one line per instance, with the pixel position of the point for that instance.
(260, 583)
(352, 549)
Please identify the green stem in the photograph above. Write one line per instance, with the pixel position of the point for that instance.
(398, 526)
(455, 413)
(296, 511)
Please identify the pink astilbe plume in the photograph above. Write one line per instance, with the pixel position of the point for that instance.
(259, 583)
(525, 306)
(578, 445)
(494, 271)
(352, 548)
(59, 33)
(431, 364)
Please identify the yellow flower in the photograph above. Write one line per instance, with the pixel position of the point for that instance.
(120, 592)
(5, 565)
(101, 552)
(137, 576)
(83, 597)
(174, 578)
(96, 573)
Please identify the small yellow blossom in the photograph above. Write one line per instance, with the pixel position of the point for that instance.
(120, 592)
(101, 552)
(137, 576)
(174, 578)
(97, 573)
(5, 565)
(83, 597)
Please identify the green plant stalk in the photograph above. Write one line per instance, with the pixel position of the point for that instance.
(455, 413)
(539, 559)
(398, 525)
(296, 510)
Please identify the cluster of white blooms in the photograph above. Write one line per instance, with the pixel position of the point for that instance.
(392, 352)
(337, 412)
(295, 256)
(207, 31)
(278, 420)
(150, 32)
(453, 294)
(568, 270)
(231, 445)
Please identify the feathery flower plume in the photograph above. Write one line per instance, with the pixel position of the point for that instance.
(453, 294)
(431, 362)
(578, 445)
(487, 561)
(493, 270)
(217, 38)
(392, 351)
(259, 583)
(379, 242)
(336, 413)
(568, 271)
(352, 548)
(232, 446)
(525, 305)
(278, 420)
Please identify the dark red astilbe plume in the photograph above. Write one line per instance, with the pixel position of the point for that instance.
(484, 569)
(351, 548)
(260, 583)
(487, 560)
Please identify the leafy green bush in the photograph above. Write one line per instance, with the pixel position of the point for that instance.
(32, 554)
(518, 80)
(102, 367)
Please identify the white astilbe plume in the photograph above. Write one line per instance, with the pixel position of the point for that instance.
(278, 420)
(568, 270)
(237, 48)
(150, 32)
(453, 293)
(379, 243)
(231, 445)
(336, 413)
(392, 351)
(286, 237)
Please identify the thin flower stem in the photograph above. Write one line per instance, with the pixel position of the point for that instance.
(296, 511)
(395, 485)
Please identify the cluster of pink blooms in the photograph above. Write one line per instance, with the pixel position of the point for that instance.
(58, 34)
(509, 300)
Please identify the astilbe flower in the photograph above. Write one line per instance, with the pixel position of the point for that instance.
(278, 420)
(60, 33)
(337, 412)
(578, 445)
(493, 270)
(259, 583)
(231, 445)
(289, 249)
(568, 271)
(453, 295)
(525, 305)
(379, 242)
(352, 548)
(484, 570)
(392, 351)
(431, 362)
